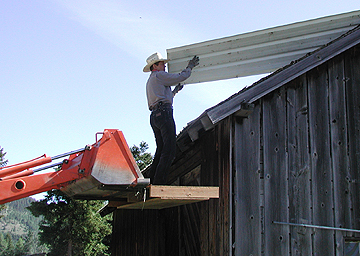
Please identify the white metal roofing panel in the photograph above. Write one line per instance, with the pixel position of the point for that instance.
(261, 51)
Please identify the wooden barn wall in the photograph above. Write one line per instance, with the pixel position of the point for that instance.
(194, 229)
(296, 161)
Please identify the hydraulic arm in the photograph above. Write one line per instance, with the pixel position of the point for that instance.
(104, 170)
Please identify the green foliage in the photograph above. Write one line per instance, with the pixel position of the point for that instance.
(8, 245)
(140, 155)
(20, 248)
(3, 161)
(18, 220)
(2, 207)
(19, 230)
(72, 225)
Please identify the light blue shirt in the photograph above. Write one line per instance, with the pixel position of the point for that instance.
(158, 86)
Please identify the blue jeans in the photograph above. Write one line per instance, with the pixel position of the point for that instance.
(163, 125)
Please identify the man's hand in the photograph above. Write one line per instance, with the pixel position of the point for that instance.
(177, 89)
(193, 62)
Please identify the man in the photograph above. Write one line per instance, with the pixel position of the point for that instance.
(160, 99)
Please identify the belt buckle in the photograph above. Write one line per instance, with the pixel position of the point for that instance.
(158, 106)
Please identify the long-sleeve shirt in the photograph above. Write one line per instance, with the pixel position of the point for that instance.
(158, 86)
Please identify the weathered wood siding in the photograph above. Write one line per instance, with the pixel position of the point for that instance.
(296, 160)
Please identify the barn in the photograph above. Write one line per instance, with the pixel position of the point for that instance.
(285, 154)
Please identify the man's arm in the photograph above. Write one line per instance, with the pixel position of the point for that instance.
(177, 89)
(169, 79)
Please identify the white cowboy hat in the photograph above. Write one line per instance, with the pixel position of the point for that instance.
(152, 59)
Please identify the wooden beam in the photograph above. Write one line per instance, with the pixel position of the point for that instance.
(183, 192)
(161, 196)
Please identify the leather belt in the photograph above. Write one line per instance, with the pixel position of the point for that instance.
(160, 105)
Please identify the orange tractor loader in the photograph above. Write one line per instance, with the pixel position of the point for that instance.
(105, 170)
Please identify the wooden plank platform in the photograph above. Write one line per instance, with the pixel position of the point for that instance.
(160, 197)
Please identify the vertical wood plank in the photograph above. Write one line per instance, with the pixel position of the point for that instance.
(163, 238)
(204, 228)
(352, 78)
(247, 185)
(299, 166)
(115, 236)
(275, 174)
(213, 218)
(322, 184)
(224, 185)
(209, 168)
(190, 222)
(339, 154)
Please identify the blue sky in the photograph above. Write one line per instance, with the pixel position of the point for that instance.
(71, 68)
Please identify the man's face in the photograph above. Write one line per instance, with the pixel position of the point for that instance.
(161, 66)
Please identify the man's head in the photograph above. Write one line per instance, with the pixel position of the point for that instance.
(155, 62)
(158, 66)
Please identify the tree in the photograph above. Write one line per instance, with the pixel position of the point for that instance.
(7, 245)
(31, 243)
(72, 227)
(19, 249)
(3, 162)
(3, 244)
(140, 155)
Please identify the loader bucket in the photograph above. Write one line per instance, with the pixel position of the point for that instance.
(109, 169)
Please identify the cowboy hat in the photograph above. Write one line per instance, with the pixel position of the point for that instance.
(152, 59)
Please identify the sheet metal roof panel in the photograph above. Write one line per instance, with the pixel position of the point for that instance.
(309, 42)
(248, 67)
(284, 75)
(261, 51)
